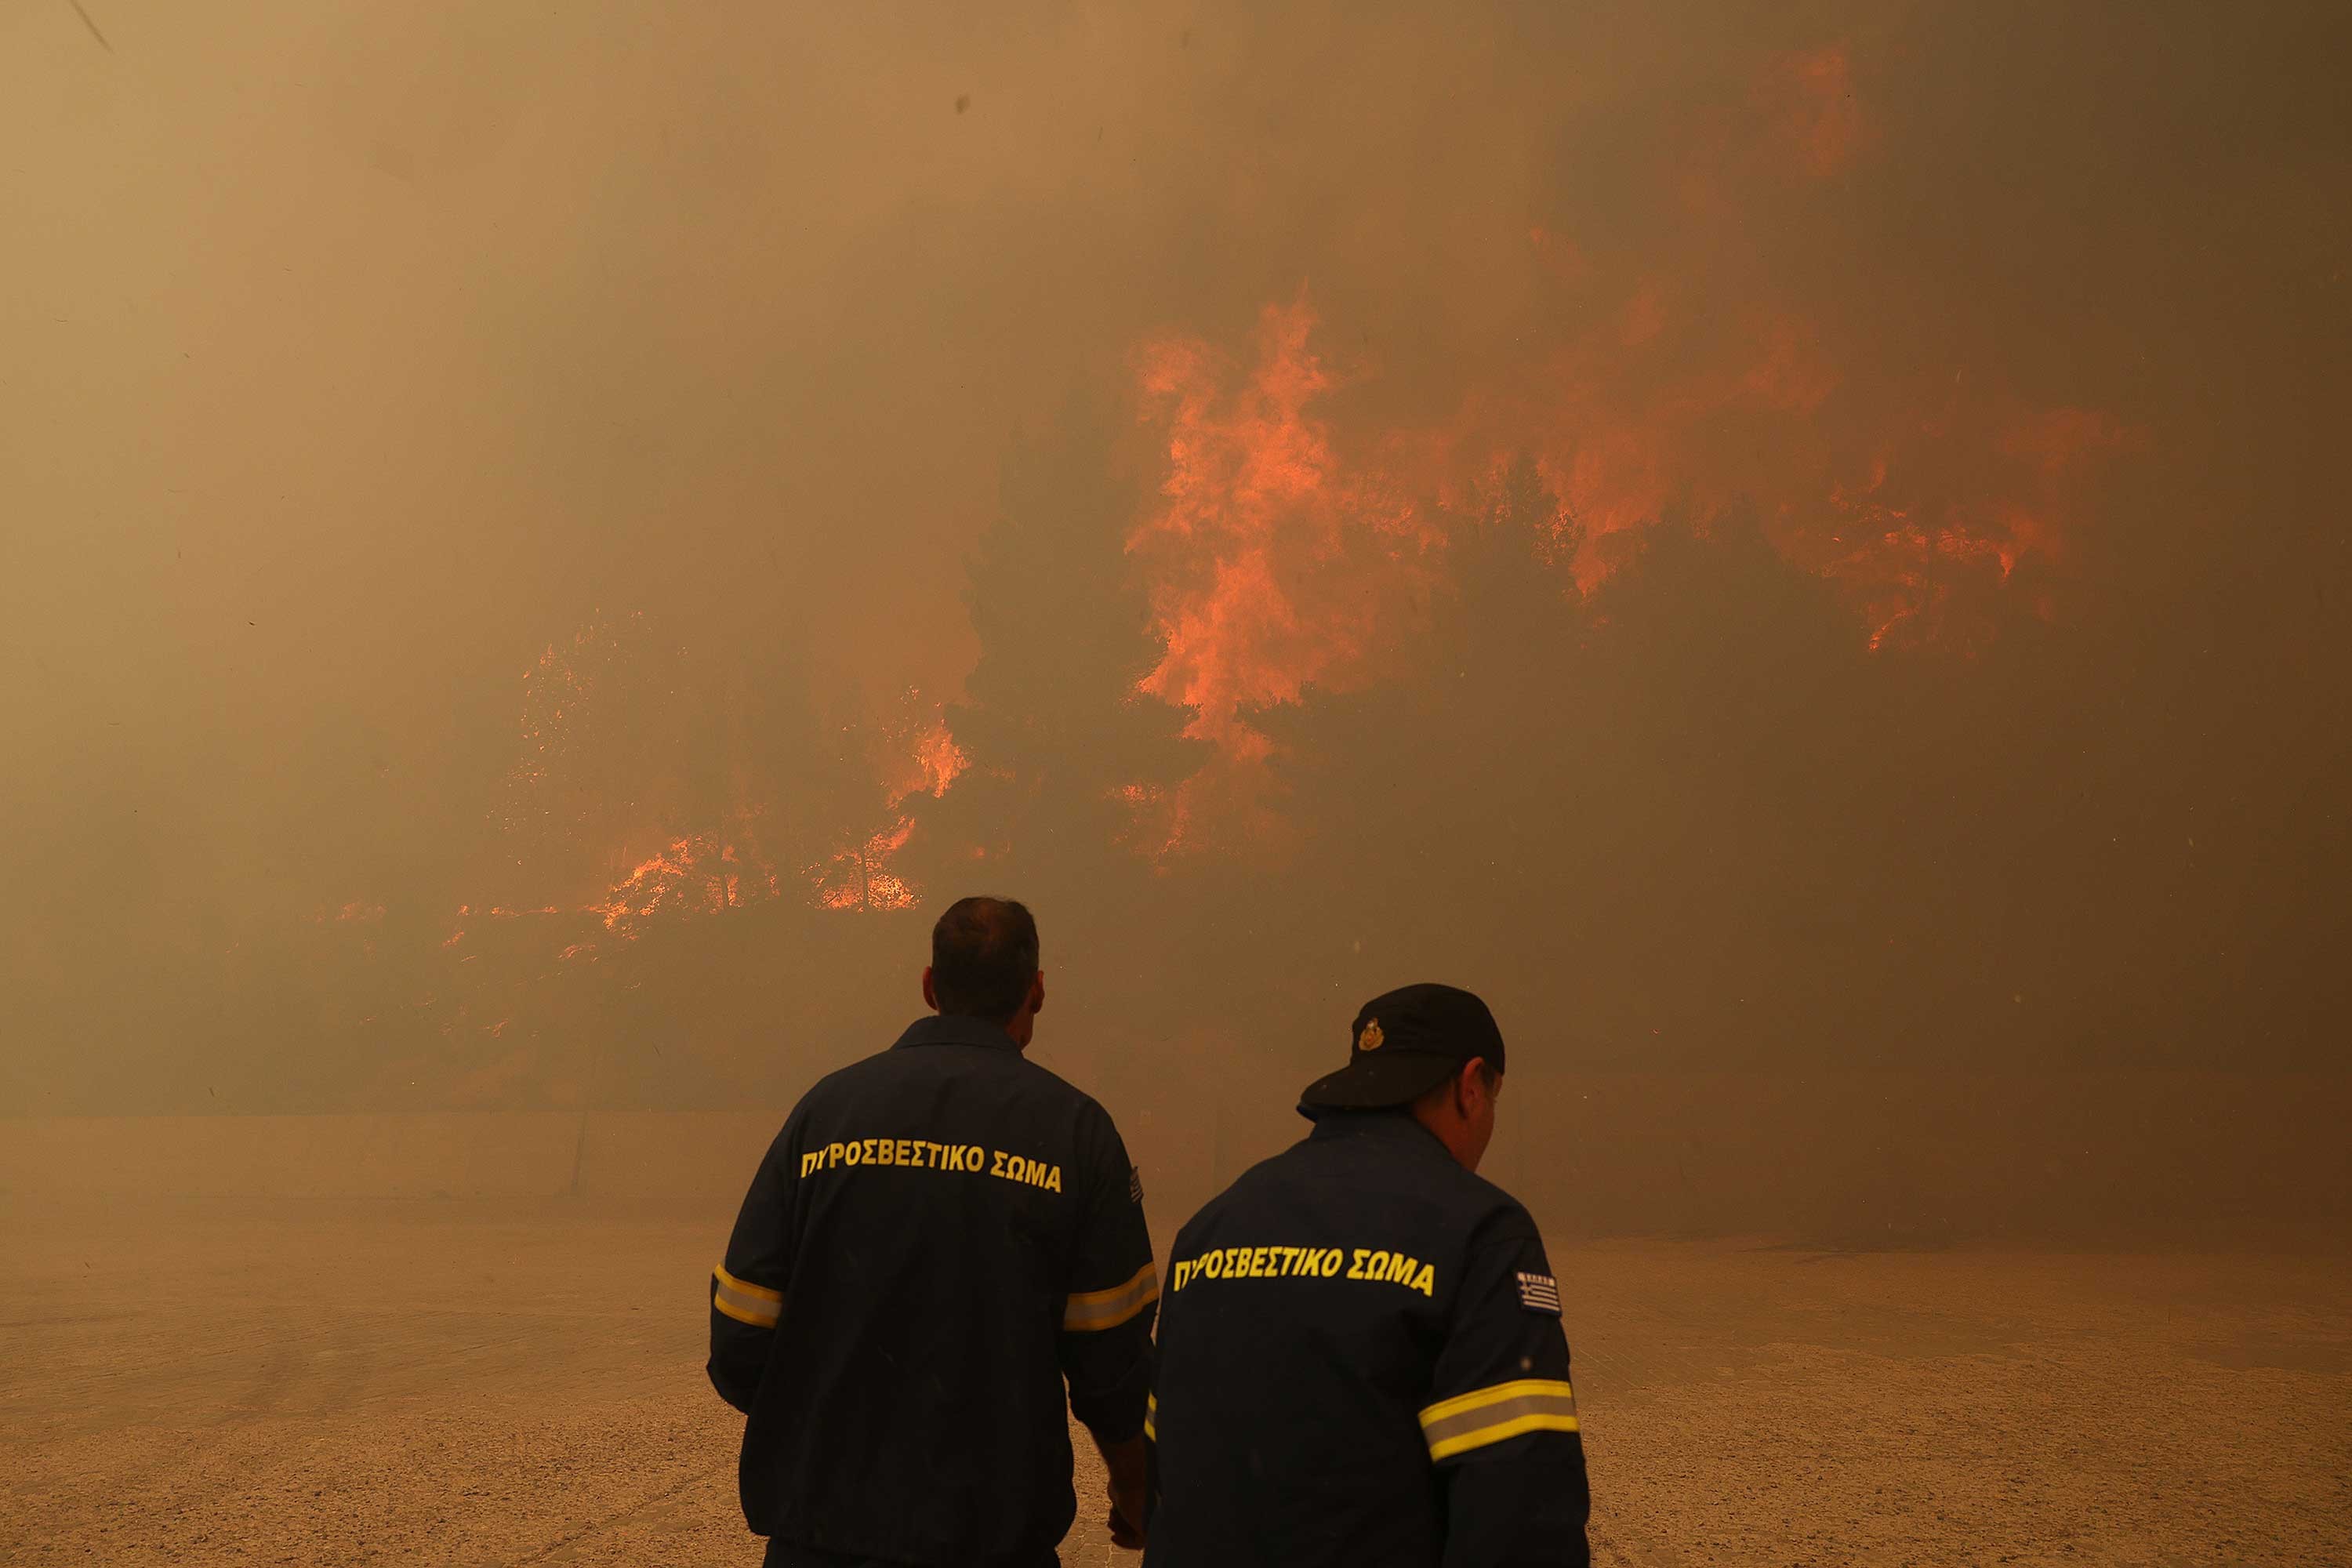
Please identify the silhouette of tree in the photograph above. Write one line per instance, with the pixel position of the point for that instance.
(1066, 762)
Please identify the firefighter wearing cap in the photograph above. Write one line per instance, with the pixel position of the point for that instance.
(942, 1238)
(1361, 1353)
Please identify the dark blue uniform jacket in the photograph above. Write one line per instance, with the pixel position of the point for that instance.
(1361, 1363)
(940, 1235)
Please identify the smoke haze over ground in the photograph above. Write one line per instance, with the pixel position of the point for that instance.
(1798, 550)
(541, 546)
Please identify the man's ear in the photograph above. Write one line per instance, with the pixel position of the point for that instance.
(1037, 992)
(930, 995)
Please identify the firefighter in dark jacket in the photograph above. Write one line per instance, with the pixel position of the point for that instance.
(940, 1238)
(1361, 1353)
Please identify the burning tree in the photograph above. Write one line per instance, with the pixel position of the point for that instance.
(1069, 760)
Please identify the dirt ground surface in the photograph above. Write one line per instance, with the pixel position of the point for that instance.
(472, 1382)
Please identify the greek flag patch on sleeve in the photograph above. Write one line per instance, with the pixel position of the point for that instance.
(1540, 1293)
(1135, 1184)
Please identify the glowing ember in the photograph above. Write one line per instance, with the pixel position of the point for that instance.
(914, 755)
(680, 879)
(859, 877)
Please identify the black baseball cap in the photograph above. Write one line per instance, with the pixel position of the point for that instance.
(1404, 1044)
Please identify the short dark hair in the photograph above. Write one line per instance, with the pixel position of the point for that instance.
(984, 957)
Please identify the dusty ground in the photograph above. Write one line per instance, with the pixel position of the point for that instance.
(466, 1383)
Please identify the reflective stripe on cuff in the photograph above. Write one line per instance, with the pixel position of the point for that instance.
(1151, 1417)
(1486, 1416)
(1109, 1309)
(744, 1301)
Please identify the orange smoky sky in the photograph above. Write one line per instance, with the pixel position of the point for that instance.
(391, 386)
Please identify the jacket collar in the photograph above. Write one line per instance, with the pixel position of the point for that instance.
(1394, 1128)
(948, 1031)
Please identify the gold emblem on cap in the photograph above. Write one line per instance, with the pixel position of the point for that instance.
(1369, 1040)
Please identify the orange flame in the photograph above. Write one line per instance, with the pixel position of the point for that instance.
(936, 762)
(576, 708)
(859, 877)
(1290, 542)
(676, 880)
(1282, 547)
(1268, 550)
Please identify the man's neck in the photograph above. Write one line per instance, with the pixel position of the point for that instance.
(1450, 1131)
(1012, 1030)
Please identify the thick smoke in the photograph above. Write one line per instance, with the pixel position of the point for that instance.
(539, 545)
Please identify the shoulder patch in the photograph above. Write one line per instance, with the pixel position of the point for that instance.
(1540, 1293)
(1135, 1184)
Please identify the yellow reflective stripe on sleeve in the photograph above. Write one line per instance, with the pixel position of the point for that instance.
(1094, 1309)
(744, 1301)
(1151, 1417)
(1486, 1416)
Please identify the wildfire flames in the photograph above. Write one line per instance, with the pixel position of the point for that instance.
(1281, 544)
(1269, 546)
(584, 773)
(1293, 539)
(1652, 383)
(706, 874)
(860, 879)
(924, 760)
(696, 874)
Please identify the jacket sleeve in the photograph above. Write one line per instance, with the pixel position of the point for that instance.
(1501, 1426)
(747, 1287)
(1114, 1291)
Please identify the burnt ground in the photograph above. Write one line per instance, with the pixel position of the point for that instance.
(475, 1383)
